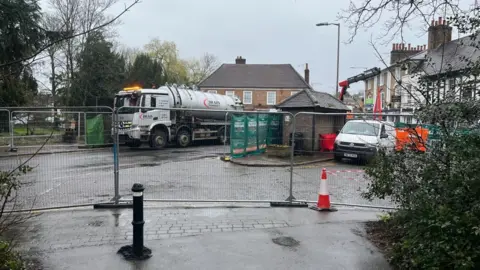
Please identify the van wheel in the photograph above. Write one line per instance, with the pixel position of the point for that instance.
(159, 139)
(337, 158)
(184, 138)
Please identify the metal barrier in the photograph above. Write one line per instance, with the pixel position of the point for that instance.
(5, 129)
(197, 173)
(56, 145)
(315, 134)
(69, 176)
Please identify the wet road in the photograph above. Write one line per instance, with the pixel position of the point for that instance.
(193, 238)
(194, 173)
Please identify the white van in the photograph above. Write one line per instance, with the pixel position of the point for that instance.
(361, 139)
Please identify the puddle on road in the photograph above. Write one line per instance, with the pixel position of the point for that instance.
(95, 223)
(286, 241)
(149, 164)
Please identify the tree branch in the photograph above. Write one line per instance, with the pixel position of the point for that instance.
(39, 51)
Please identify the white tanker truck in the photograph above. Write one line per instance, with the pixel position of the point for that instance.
(160, 125)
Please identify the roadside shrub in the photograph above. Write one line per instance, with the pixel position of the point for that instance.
(438, 195)
(9, 184)
(10, 260)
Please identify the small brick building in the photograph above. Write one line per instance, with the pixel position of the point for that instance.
(259, 86)
(310, 125)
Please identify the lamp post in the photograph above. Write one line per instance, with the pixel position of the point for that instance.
(338, 51)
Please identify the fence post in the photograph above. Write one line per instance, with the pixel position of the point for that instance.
(292, 153)
(225, 136)
(85, 128)
(115, 201)
(78, 125)
(10, 124)
(115, 157)
(290, 201)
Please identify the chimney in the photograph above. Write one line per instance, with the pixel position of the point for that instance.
(401, 51)
(240, 60)
(307, 74)
(439, 33)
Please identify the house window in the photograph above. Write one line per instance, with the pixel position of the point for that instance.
(230, 93)
(451, 84)
(409, 94)
(271, 98)
(398, 75)
(293, 93)
(247, 97)
(467, 94)
(212, 91)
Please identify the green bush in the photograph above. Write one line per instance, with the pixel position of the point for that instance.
(438, 195)
(10, 260)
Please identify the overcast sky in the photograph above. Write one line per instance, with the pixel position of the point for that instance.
(262, 31)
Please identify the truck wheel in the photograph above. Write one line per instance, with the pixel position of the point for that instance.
(184, 138)
(159, 139)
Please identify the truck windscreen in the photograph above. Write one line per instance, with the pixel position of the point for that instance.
(126, 101)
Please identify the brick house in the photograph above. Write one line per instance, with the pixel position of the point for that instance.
(391, 80)
(310, 125)
(259, 86)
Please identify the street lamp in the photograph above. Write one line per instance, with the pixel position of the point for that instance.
(338, 50)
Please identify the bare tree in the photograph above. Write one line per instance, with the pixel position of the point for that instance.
(78, 16)
(200, 69)
(396, 15)
(397, 18)
(53, 26)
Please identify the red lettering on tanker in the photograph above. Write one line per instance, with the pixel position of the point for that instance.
(210, 103)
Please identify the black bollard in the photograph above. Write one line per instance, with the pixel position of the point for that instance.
(137, 251)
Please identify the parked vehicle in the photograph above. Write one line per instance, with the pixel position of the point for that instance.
(361, 139)
(158, 125)
(128, 97)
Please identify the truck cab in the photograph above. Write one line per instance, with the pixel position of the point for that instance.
(155, 116)
(362, 139)
(128, 97)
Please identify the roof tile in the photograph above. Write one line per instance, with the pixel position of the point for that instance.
(310, 98)
(255, 76)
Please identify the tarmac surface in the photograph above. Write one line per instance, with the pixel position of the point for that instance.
(195, 174)
(203, 238)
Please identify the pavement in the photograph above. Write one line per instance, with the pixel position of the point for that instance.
(264, 160)
(202, 238)
(192, 174)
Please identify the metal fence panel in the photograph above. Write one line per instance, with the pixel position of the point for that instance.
(197, 173)
(5, 136)
(64, 171)
(316, 134)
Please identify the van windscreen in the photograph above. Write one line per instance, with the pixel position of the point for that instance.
(361, 128)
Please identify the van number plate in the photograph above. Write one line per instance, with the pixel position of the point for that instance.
(350, 155)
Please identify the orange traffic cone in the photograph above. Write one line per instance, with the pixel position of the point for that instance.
(323, 203)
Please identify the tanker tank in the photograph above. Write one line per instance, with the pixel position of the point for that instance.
(191, 99)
